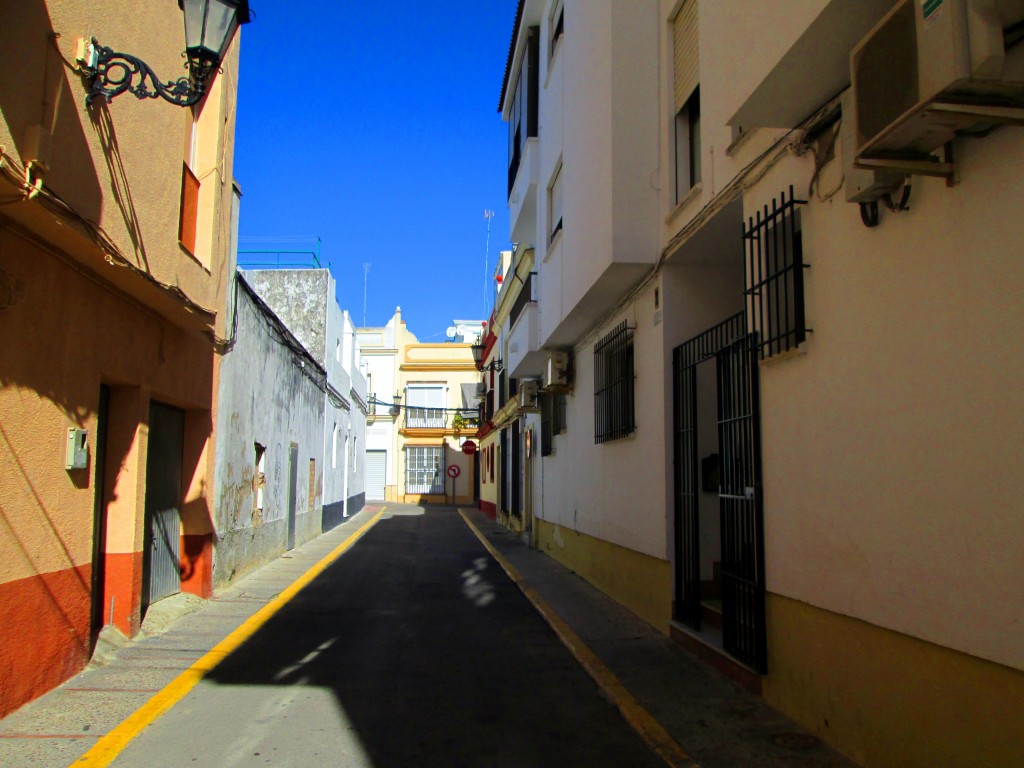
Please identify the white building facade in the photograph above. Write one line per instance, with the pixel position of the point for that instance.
(786, 305)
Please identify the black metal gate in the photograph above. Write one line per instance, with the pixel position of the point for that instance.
(740, 510)
(740, 504)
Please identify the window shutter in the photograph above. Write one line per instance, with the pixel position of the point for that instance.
(189, 212)
(686, 52)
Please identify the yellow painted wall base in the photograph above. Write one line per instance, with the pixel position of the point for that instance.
(641, 583)
(887, 699)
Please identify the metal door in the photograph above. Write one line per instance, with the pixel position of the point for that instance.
(740, 504)
(293, 481)
(376, 474)
(685, 358)
(161, 554)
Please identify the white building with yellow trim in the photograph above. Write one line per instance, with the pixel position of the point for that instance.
(792, 316)
(423, 408)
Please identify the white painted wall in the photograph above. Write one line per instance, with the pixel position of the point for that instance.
(892, 442)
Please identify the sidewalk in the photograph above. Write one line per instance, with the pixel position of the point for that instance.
(717, 722)
(56, 729)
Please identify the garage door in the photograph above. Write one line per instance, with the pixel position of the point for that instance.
(376, 474)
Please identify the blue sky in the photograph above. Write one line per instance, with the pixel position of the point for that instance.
(374, 126)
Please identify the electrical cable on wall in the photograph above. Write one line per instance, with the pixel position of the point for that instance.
(40, 193)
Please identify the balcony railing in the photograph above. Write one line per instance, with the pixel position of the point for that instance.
(440, 418)
(426, 418)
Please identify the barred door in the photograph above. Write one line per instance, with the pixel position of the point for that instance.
(740, 504)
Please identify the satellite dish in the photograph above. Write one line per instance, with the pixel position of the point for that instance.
(450, 333)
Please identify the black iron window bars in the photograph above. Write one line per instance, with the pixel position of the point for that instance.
(614, 413)
(775, 276)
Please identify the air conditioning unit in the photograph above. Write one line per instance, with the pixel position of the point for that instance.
(862, 185)
(527, 395)
(556, 371)
(930, 71)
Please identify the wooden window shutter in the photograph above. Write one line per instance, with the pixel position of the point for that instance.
(685, 52)
(189, 212)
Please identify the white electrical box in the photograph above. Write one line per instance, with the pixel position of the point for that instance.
(77, 455)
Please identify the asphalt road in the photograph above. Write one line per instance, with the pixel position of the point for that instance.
(412, 649)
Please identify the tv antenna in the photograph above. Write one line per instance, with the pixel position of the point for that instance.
(488, 214)
(366, 275)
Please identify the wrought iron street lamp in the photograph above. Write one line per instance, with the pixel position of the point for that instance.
(478, 358)
(209, 28)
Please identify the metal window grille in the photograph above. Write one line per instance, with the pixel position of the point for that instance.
(423, 470)
(614, 416)
(775, 276)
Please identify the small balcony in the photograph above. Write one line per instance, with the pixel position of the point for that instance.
(525, 359)
(522, 198)
(426, 418)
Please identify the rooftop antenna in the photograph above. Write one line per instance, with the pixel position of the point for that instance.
(488, 214)
(366, 273)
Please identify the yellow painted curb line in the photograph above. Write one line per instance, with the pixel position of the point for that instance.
(650, 730)
(106, 750)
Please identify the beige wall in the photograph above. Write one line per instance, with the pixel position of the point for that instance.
(893, 445)
(886, 699)
(448, 365)
(134, 312)
(119, 166)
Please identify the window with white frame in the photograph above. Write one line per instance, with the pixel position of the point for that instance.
(555, 204)
(423, 469)
(425, 406)
(686, 96)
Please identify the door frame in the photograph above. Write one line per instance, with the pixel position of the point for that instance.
(686, 608)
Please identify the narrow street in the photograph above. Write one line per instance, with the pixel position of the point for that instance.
(412, 643)
(414, 648)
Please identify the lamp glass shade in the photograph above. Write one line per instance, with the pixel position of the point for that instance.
(209, 28)
(478, 354)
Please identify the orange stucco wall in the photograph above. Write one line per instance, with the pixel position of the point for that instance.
(65, 334)
(79, 310)
(56, 606)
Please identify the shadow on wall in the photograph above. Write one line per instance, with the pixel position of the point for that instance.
(44, 617)
(119, 186)
(35, 90)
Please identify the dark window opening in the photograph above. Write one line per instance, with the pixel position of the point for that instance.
(558, 30)
(688, 171)
(522, 118)
(614, 412)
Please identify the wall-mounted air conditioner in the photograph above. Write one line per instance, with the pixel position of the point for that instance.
(862, 185)
(556, 371)
(527, 395)
(931, 70)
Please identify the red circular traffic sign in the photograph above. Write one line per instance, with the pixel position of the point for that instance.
(453, 471)
(469, 447)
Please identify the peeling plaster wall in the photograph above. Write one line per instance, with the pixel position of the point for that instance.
(265, 398)
(300, 298)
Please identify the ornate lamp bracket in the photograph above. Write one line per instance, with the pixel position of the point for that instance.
(114, 73)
